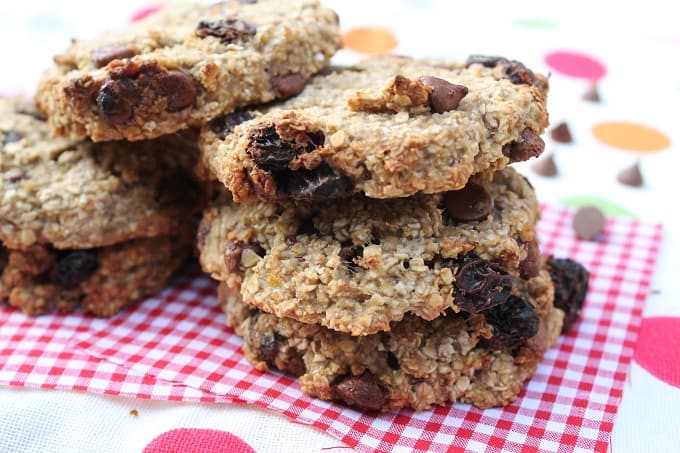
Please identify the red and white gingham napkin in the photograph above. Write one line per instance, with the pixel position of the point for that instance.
(176, 347)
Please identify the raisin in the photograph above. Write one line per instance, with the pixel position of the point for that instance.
(365, 391)
(116, 100)
(480, 284)
(228, 30)
(571, 286)
(73, 267)
(224, 125)
(319, 184)
(513, 322)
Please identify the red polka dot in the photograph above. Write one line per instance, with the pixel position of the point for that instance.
(145, 11)
(657, 348)
(575, 64)
(193, 440)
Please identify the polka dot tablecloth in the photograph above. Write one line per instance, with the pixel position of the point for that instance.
(628, 58)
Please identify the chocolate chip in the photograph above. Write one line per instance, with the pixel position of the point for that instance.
(11, 137)
(228, 30)
(480, 285)
(570, 280)
(101, 56)
(224, 125)
(287, 85)
(631, 176)
(15, 174)
(513, 323)
(529, 145)
(469, 204)
(592, 95)
(561, 133)
(365, 391)
(444, 96)
(269, 151)
(117, 99)
(588, 222)
(233, 253)
(177, 87)
(269, 348)
(530, 266)
(545, 166)
(513, 69)
(319, 184)
(73, 267)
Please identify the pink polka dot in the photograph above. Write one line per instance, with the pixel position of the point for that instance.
(657, 348)
(193, 440)
(575, 64)
(145, 11)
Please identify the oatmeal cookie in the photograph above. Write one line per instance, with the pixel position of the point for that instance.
(482, 358)
(390, 127)
(185, 65)
(75, 194)
(358, 264)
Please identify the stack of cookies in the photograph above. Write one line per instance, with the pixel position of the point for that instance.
(98, 198)
(374, 242)
(367, 232)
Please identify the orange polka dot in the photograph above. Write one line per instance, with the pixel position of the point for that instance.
(631, 136)
(370, 40)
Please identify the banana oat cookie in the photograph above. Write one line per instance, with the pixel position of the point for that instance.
(97, 225)
(390, 127)
(482, 358)
(358, 264)
(185, 65)
(76, 194)
(41, 279)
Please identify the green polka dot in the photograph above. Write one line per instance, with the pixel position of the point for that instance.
(608, 207)
(535, 23)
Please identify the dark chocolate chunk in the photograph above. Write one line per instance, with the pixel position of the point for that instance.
(631, 176)
(177, 87)
(116, 100)
(480, 284)
(545, 166)
(444, 96)
(513, 322)
(319, 184)
(588, 222)
(101, 56)
(571, 286)
(530, 266)
(228, 30)
(529, 145)
(11, 137)
(287, 85)
(469, 204)
(224, 125)
(561, 133)
(73, 267)
(365, 391)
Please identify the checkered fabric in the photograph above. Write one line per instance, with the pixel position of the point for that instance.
(176, 347)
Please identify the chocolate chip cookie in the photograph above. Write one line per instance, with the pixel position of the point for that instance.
(358, 264)
(99, 225)
(390, 127)
(185, 65)
(479, 358)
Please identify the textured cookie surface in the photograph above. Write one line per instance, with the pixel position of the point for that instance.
(390, 127)
(76, 194)
(185, 65)
(357, 264)
(481, 359)
(101, 281)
